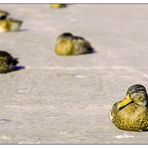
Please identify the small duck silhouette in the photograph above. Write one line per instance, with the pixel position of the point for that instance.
(10, 25)
(55, 6)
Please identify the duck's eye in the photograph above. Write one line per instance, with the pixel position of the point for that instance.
(134, 95)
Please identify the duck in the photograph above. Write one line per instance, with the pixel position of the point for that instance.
(131, 113)
(3, 15)
(68, 44)
(7, 62)
(10, 25)
(56, 6)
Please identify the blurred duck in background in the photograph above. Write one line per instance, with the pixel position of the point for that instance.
(68, 44)
(55, 6)
(10, 25)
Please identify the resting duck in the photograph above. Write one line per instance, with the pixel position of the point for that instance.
(55, 6)
(131, 114)
(68, 44)
(7, 62)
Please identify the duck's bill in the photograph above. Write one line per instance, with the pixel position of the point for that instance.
(125, 102)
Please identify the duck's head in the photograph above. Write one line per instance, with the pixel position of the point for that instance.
(135, 94)
(3, 15)
(65, 36)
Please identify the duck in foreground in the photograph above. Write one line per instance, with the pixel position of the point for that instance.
(7, 62)
(10, 25)
(55, 6)
(68, 44)
(3, 15)
(131, 114)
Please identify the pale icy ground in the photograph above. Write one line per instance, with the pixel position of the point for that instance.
(67, 100)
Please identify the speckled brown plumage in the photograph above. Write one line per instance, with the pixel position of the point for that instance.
(7, 62)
